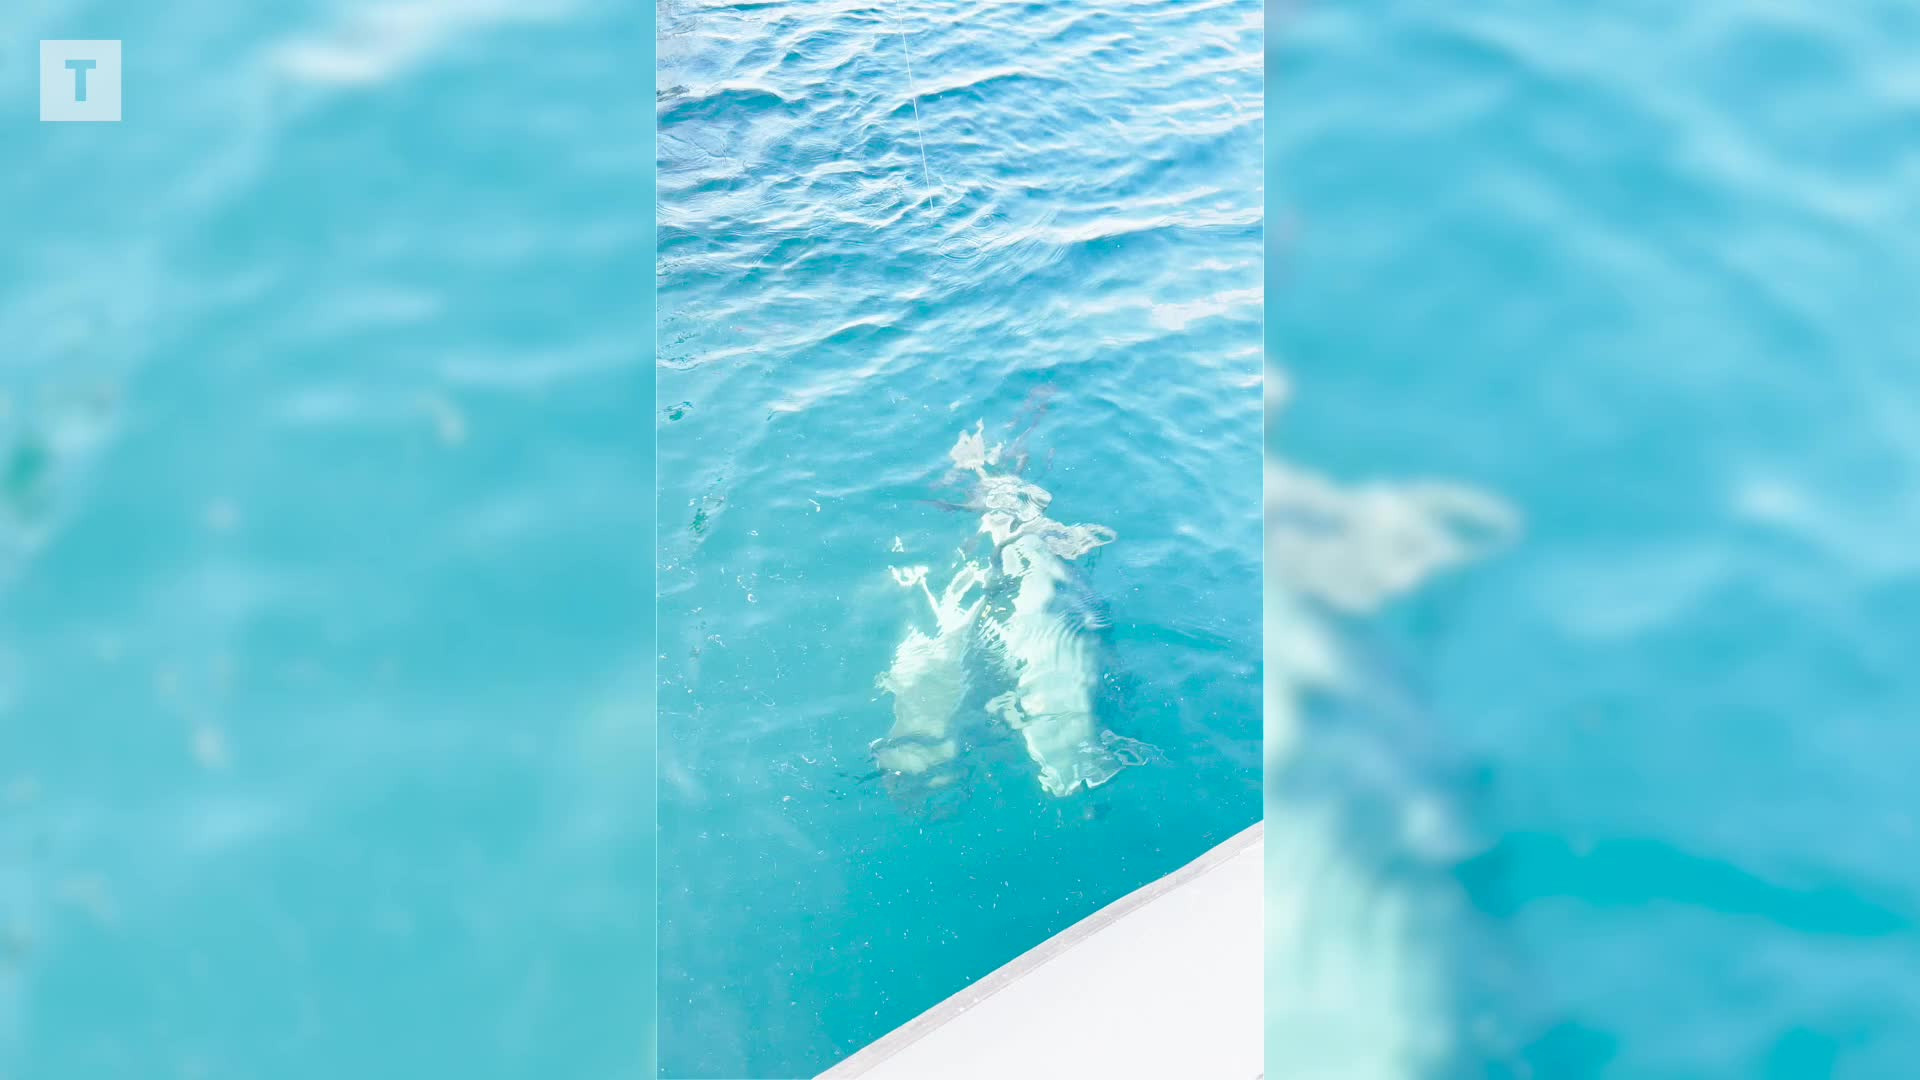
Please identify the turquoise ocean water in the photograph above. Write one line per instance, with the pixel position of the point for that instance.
(879, 226)
(325, 642)
(1628, 791)
(325, 630)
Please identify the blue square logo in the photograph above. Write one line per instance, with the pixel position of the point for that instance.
(79, 80)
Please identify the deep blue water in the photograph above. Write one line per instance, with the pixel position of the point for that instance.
(325, 632)
(1642, 274)
(880, 225)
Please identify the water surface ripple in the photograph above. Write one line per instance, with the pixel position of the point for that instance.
(878, 225)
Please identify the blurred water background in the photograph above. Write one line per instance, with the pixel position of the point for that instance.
(324, 706)
(325, 605)
(1593, 500)
(879, 225)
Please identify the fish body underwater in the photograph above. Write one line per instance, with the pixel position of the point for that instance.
(928, 678)
(1044, 643)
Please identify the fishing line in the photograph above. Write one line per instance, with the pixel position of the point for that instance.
(913, 92)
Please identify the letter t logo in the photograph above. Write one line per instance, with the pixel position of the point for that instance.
(80, 80)
(80, 69)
